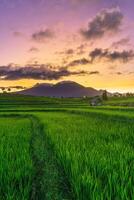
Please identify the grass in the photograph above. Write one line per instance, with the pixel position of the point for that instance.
(28, 166)
(120, 101)
(97, 157)
(63, 149)
(27, 102)
(49, 181)
(16, 167)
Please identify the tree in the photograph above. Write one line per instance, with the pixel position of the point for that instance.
(104, 95)
(3, 89)
(9, 89)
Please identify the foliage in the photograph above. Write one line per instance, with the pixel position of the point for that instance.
(104, 96)
(16, 167)
(64, 149)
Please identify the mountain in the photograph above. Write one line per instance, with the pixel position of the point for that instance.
(61, 89)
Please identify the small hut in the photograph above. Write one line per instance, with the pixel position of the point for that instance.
(96, 101)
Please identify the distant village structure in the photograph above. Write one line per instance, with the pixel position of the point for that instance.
(96, 101)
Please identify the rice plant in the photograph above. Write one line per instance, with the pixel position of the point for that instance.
(96, 152)
(16, 168)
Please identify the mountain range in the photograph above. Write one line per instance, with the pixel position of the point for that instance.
(61, 89)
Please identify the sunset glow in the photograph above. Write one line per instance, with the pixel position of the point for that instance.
(87, 41)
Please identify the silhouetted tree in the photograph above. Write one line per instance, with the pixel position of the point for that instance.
(9, 89)
(3, 89)
(104, 96)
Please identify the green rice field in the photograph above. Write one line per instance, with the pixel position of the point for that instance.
(64, 149)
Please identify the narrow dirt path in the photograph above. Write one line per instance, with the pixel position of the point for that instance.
(49, 181)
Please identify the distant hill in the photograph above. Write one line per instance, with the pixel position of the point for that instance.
(61, 89)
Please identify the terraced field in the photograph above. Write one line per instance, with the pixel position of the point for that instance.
(54, 149)
(16, 168)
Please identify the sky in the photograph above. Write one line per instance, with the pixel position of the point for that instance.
(87, 41)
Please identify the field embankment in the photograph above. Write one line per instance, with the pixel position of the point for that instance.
(120, 101)
(65, 152)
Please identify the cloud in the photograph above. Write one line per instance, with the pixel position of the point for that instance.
(18, 34)
(82, 61)
(18, 87)
(77, 2)
(81, 49)
(33, 50)
(35, 71)
(123, 56)
(69, 52)
(13, 87)
(107, 21)
(119, 73)
(94, 72)
(78, 50)
(42, 35)
(122, 42)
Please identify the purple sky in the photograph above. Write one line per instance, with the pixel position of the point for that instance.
(55, 33)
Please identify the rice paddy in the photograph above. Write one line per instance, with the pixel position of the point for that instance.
(16, 168)
(65, 152)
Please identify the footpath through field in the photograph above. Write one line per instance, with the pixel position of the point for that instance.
(28, 166)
